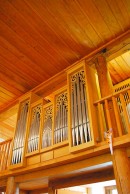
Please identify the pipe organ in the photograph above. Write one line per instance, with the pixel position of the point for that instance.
(47, 126)
(68, 118)
(61, 118)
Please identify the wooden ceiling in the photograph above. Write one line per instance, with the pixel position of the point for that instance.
(39, 38)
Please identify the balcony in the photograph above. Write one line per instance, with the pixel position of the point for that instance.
(68, 125)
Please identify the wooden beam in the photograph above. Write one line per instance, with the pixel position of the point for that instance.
(82, 179)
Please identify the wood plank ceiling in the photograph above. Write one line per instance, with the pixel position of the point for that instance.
(39, 38)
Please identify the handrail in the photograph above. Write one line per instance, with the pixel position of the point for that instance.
(3, 142)
(112, 95)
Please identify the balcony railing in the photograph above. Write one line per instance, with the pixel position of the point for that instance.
(5, 149)
(113, 112)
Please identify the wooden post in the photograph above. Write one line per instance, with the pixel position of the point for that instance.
(121, 162)
(121, 166)
(106, 88)
(105, 82)
(51, 188)
(23, 192)
(11, 186)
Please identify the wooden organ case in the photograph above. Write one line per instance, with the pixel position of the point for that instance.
(68, 119)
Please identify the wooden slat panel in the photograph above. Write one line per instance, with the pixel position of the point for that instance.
(108, 15)
(60, 31)
(14, 39)
(41, 26)
(23, 30)
(120, 13)
(95, 19)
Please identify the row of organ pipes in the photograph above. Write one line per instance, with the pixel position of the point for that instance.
(49, 124)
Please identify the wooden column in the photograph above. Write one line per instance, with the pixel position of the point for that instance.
(51, 188)
(23, 192)
(121, 162)
(121, 166)
(105, 81)
(11, 186)
(106, 88)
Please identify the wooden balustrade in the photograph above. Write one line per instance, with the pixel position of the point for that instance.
(120, 110)
(5, 148)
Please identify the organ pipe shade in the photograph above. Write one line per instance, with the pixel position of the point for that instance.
(80, 124)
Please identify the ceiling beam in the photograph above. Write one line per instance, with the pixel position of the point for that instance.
(83, 179)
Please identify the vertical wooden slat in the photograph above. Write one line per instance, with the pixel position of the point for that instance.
(125, 113)
(118, 121)
(128, 105)
(101, 121)
(2, 158)
(4, 154)
(108, 114)
(9, 153)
